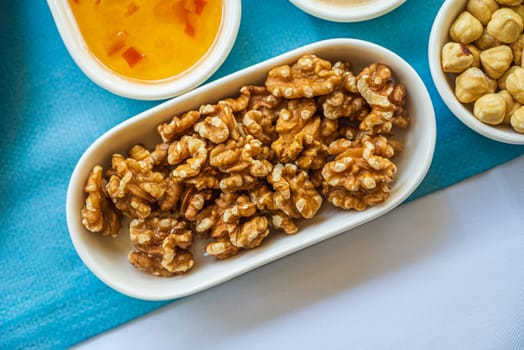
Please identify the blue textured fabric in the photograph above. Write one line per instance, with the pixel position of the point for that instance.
(51, 113)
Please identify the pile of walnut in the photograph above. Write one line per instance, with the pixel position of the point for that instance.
(486, 51)
(229, 172)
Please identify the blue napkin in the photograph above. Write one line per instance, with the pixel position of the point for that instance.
(51, 113)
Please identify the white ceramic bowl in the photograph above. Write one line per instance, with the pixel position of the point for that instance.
(445, 82)
(368, 9)
(147, 90)
(107, 258)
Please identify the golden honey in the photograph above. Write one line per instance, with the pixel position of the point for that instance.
(148, 39)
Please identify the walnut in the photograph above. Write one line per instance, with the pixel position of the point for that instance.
(259, 125)
(386, 99)
(515, 84)
(456, 57)
(357, 200)
(263, 196)
(490, 109)
(161, 245)
(505, 25)
(329, 130)
(134, 184)
(209, 220)
(193, 201)
(253, 97)
(178, 125)
(470, 85)
(310, 76)
(222, 248)
(98, 213)
(208, 178)
(296, 127)
(233, 223)
(174, 190)
(220, 123)
(466, 28)
(190, 149)
(251, 233)
(258, 110)
(159, 154)
(313, 156)
(340, 103)
(349, 80)
(360, 164)
(496, 60)
(235, 182)
(246, 154)
(361, 173)
(294, 194)
(482, 9)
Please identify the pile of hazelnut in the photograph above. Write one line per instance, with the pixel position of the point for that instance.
(485, 52)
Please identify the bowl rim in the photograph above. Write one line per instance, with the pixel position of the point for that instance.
(424, 154)
(355, 13)
(437, 36)
(142, 89)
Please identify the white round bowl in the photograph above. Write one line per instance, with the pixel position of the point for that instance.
(107, 258)
(347, 13)
(445, 82)
(141, 89)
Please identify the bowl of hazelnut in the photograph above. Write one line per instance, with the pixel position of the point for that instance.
(475, 57)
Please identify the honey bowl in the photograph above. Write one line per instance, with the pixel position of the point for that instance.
(148, 50)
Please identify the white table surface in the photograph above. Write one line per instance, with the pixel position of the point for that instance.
(445, 271)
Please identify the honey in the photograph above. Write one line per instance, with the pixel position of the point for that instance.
(148, 39)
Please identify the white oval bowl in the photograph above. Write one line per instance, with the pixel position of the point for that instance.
(150, 89)
(347, 13)
(445, 82)
(107, 258)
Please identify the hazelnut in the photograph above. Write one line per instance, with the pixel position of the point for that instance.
(496, 60)
(456, 57)
(505, 25)
(476, 55)
(490, 109)
(492, 84)
(486, 41)
(502, 80)
(470, 85)
(510, 2)
(482, 9)
(515, 84)
(466, 28)
(519, 10)
(517, 120)
(511, 105)
(517, 48)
